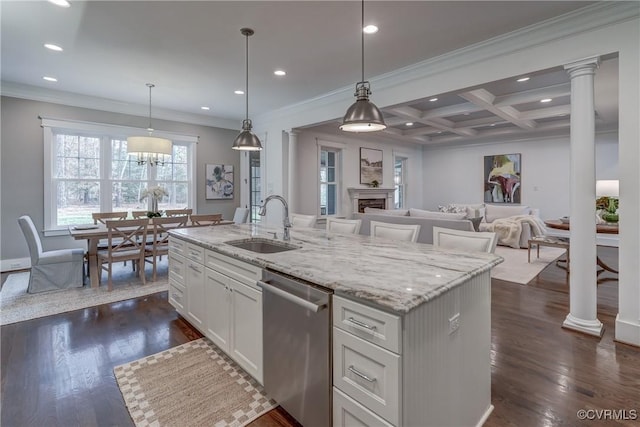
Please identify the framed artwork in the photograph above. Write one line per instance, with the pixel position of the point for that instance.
(218, 182)
(370, 166)
(502, 178)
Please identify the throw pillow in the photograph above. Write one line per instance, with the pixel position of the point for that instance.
(436, 215)
(476, 222)
(452, 209)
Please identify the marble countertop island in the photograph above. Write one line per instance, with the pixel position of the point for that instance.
(396, 276)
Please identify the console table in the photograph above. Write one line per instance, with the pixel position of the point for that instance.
(600, 228)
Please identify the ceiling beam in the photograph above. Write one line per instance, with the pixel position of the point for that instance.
(485, 99)
(533, 95)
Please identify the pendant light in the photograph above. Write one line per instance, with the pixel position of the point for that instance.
(363, 115)
(247, 140)
(148, 148)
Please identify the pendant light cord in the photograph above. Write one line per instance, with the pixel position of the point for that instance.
(246, 88)
(362, 32)
(150, 85)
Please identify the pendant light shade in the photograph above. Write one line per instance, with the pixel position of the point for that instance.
(247, 140)
(148, 148)
(363, 115)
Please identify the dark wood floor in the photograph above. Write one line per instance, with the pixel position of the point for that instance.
(58, 370)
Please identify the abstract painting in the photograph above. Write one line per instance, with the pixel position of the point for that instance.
(502, 178)
(219, 182)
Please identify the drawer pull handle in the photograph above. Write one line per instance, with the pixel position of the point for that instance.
(361, 375)
(362, 324)
(191, 266)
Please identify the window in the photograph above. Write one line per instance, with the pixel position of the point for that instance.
(329, 178)
(88, 170)
(255, 194)
(400, 180)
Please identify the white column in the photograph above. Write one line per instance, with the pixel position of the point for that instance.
(583, 280)
(292, 173)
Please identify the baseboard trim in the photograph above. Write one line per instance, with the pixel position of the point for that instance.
(485, 416)
(14, 264)
(628, 332)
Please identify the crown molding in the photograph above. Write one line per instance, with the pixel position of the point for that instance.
(586, 19)
(35, 93)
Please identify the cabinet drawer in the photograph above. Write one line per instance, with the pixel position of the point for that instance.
(176, 268)
(367, 373)
(177, 246)
(242, 271)
(176, 296)
(368, 323)
(349, 413)
(195, 253)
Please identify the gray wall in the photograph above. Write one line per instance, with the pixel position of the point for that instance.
(22, 162)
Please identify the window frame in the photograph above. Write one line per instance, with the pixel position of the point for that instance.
(402, 186)
(338, 149)
(105, 132)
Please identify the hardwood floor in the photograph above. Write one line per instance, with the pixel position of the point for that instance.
(58, 370)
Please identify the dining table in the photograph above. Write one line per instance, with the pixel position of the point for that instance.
(600, 228)
(93, 233)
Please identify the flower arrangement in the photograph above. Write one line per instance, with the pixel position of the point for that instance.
(155, 194)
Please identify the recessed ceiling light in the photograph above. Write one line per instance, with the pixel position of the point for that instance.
(493, 124)
(280, 73)
(370, 29)
(546, 100)
(50, 79)
(61, 3)
(53, 47)
(205, 108)
(439, 132)
(434, 99)
(466, 114)
(409, 123)
(238, 92)
(523, 79)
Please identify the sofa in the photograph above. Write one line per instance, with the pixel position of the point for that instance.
(499, 213)
(426, 223)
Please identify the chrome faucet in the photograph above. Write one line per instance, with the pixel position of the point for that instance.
(285, 222)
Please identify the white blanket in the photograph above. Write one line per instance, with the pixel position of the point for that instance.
(509, 229)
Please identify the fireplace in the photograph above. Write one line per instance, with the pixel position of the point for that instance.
(381, 198)
(371, 203)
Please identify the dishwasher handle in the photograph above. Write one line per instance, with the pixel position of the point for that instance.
(290, 297)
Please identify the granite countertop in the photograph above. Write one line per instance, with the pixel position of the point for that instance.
(396, 276)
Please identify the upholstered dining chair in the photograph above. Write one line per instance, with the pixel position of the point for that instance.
(345, 226)
(241, 215)
(303, 221)
(160, 245)
(387, 230)
(51, 270)
(472, 241)
(177, 212)
(205, 219)
(123, 244)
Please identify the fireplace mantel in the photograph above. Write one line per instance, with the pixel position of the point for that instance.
(356, 194)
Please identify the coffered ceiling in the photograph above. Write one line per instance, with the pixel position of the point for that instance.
(194, 53)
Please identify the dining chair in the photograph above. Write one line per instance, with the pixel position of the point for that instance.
(124, 245)
(303, 221)
(205, 219)
(160, 245)
(346, 226)
(102, 217)
(51, 270)
(139, 214)
(177, 212)
(472, 241)
(387, 230)
(241, 215)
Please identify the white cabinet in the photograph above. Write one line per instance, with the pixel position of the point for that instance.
(418, 369)
(219, 296)
(234, 320)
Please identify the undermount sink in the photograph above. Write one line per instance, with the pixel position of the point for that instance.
(262, 246)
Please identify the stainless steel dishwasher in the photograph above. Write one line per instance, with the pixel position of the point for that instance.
(297, 347)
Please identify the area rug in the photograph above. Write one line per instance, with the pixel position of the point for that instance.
(515, 267)
(16, 305)
(194, 384)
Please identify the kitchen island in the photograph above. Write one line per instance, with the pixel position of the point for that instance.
(415, 317)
